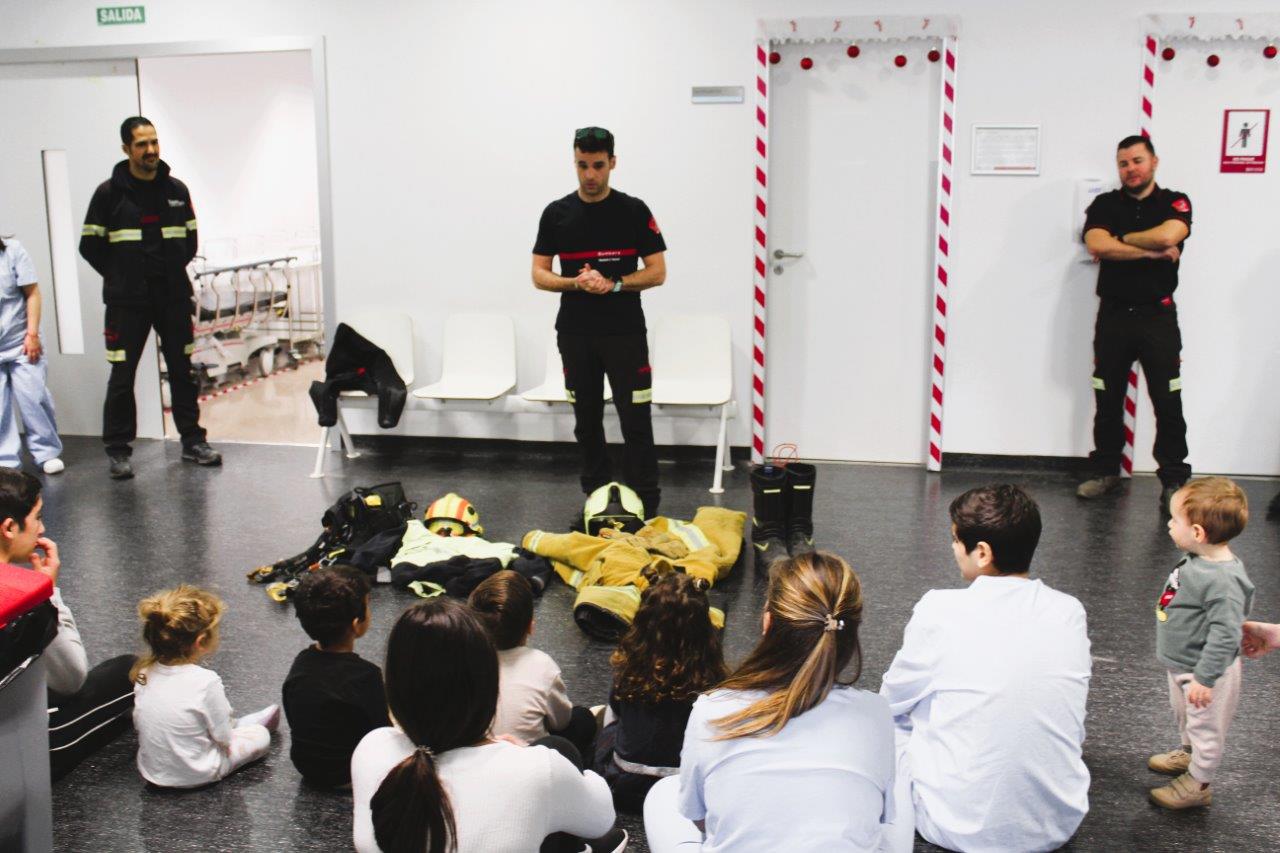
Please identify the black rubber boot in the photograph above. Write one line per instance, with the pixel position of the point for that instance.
(769, 518)
(800, 478)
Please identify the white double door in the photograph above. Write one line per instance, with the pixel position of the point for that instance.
(851, 187)
(76, 108)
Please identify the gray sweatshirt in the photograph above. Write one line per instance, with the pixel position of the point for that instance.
(1200, 616)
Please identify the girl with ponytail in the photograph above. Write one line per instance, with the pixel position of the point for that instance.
(786, 754)
(186, 735)
(435, 782)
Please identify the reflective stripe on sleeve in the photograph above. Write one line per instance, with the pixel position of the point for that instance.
(1098, 384)
(124, 234)
(191, 225)
(93, 230)
(115, 355)
(178, 232)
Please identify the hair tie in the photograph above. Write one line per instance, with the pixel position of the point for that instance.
(833, 624)
(425, 750)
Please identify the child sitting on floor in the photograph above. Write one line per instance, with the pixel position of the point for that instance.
(186, 735)
(532, 700)
(670, 654)
(332, 696)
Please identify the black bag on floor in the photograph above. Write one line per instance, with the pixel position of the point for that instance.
(354, 519)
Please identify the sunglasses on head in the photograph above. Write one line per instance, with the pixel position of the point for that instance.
(597, 132)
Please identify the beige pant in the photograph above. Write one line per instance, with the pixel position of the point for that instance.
(1205, 729)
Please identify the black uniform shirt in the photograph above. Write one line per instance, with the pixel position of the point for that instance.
(1143, 282)
(331, 700)
(151, 201)
(611, 235)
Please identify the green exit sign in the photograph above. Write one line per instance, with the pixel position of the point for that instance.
(108, 15)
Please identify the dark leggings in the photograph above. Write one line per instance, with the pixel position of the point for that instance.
(581, 732)
(90, 718)
(562, 842)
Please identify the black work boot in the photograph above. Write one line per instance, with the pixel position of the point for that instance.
(121, 467)
(769, 513)
(800, 477)
(201, 454)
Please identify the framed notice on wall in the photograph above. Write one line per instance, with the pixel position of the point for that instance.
(1005, 149)
(1244, 140)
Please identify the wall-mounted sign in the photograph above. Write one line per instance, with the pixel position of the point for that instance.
(1244, 140)
(717, 94)
(108, 15)
(1005, 149)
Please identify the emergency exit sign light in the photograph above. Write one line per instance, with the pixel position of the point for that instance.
(108, 15)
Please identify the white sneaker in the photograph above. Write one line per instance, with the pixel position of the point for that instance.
(53, 466)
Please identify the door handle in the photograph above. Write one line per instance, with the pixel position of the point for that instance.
(779, 254)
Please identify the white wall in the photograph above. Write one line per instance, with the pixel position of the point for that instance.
(240, 131)
(450, 124)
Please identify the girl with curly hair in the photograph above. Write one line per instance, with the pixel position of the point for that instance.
(670, 654)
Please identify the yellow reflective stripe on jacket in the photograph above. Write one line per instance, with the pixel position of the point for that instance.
(114, 355)
(191, 225)
(643, 395)
(174, 231)
(124, 234)
(188, 349)
(93, 230)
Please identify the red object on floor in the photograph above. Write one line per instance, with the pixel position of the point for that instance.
(1269, 51)
(774, 57)
(900, 60)
(852, 51)
(21, 591)
(1168, 53)
(934, 55)
(806, 63)
(1213, 60)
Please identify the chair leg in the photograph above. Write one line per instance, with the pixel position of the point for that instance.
(717, 481)
(318, 471)
(344, 437)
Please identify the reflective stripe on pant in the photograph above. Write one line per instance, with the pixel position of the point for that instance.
(93, 716)
(126, 331)
(24, 382)
(624, 359)
(1150, 336)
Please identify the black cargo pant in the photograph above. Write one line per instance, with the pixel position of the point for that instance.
(126, 329)
(87, 720)
(1149, 335)
(624, 359)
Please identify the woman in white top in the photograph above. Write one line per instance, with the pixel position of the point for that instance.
(437, 783)
(22, 369)
(783, 756)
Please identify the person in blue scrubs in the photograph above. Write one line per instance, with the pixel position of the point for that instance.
(22, 366)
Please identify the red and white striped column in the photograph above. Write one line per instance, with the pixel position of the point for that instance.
(942, 251)
(760, 246)
(1150, 49)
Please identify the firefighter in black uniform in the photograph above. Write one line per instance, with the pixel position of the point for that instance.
(1137, 233)
(140, 234)
(601, 236)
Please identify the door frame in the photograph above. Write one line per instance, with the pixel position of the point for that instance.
(315, 47)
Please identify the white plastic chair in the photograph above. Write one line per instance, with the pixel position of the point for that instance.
(479, 359)
(393, 332)
(693, 366)
(552, 389)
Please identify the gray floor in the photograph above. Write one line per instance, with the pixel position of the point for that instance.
(175, 523)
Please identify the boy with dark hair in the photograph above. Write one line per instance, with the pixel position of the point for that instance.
(87, 708)
(332, 696)
(1199, 623)
(1007, 654)
(532, 699)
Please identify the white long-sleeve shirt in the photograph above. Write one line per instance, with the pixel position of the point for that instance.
(184, 726)
(532, 699)
(66, 663)
(989, 687)
(505, 798)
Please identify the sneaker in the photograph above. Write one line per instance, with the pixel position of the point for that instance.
(1099, 486)
(53, 466)
(613, 842)
(121, 468)
(1183, 792)
(202, 454)
(1174, 762)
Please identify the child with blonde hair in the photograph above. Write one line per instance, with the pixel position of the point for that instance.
(186, 735)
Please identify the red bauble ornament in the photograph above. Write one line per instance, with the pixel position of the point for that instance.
(900, 61)
(1168, 53)
(1269, 51)
(935, 55)
(806, 63)
(1213, 60)
(852, 51)
(774, 57)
